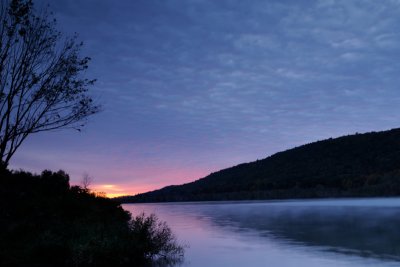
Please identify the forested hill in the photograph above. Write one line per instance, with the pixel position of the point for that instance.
(349, 166)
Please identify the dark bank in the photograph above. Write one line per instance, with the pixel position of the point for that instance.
(46, 222)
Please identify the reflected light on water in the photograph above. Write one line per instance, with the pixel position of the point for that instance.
(336, 233)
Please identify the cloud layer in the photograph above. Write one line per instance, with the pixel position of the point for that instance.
(193, 86)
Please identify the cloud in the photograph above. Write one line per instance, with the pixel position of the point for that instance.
(213, 79)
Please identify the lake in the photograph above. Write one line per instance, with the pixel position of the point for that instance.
(344, 232)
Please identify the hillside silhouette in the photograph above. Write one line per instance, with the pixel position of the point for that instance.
(360, 165)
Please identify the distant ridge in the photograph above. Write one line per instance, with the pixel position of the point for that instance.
(349, 166)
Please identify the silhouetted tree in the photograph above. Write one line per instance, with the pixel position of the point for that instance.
(41, 83)
(86, 181)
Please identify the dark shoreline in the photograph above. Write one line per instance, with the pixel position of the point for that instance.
(46, 222)
(283, 200)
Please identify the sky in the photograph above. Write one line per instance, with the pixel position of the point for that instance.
(189, 87)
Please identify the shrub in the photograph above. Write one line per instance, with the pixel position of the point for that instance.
(154, 238)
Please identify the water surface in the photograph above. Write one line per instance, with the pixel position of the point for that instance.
(346, 232)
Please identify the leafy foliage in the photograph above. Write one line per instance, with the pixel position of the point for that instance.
(47, 222)
(356, 165)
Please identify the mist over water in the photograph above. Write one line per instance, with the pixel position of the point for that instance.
(345, 232)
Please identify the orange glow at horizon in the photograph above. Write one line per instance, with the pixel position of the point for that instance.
(130, 188)
(113, 190)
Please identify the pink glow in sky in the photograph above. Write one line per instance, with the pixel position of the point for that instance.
(192, 87)
(129, 188)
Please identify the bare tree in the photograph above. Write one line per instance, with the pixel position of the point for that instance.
(86, 181)
(42, 87)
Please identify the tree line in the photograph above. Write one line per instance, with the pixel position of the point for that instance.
(349, 166)
(47, 222)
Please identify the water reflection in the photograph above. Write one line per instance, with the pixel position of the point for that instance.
(365, 229)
